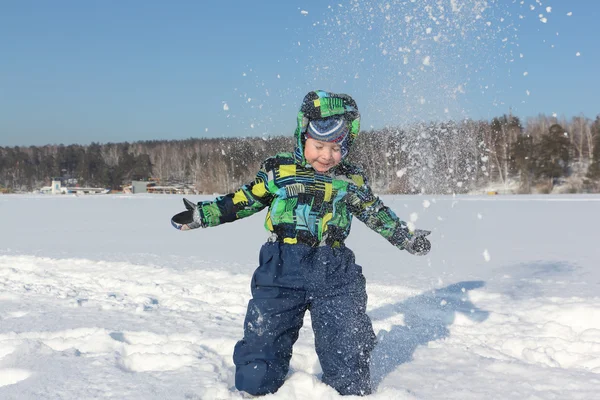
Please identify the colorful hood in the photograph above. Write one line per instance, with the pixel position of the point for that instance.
(320, 104)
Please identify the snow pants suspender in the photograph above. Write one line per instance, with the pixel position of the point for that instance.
(290, 280)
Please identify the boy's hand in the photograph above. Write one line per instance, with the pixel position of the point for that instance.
(418, 244)
(189, 219)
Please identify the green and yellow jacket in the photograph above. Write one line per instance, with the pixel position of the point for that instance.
(305, 206)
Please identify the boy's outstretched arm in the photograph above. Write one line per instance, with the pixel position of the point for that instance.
(246, 201)
(370, 209)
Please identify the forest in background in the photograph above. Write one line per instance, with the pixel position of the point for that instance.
(535, 156)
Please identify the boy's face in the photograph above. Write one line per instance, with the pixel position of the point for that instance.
(322, 156)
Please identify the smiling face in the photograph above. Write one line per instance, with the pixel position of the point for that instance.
(322, 156)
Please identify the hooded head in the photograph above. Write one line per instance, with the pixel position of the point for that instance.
(328, 117)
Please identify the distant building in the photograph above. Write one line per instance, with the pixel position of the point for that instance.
(58, 188)
(55, 188)
(166, 189)
(152, 187)
(139, 186)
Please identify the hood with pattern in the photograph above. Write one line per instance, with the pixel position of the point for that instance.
(319, 104)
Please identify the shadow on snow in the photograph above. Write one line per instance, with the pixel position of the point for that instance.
(426, 318)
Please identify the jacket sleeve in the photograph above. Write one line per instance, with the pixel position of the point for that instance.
(248, 200)
(369, 209)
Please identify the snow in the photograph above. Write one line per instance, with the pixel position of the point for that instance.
(101, 297)
(486, 255)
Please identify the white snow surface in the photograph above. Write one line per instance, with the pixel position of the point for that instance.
(101, 298)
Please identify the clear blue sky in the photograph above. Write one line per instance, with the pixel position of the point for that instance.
(112, 71)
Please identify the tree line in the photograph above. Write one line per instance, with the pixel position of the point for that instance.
(436, 157)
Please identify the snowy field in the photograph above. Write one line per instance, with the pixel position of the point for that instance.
(101, 298)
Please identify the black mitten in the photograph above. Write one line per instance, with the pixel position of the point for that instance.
(418, 244)
(189, 219)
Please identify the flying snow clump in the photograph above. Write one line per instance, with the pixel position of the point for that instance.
(486, 255)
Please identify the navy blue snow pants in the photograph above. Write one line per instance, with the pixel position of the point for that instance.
(291, 279)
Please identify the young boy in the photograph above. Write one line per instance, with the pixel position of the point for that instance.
(311, 195)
